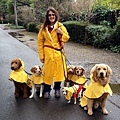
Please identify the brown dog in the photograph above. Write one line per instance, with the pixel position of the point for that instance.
(19, 77)
(98, 90)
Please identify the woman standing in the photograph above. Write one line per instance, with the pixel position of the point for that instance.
(51, 37)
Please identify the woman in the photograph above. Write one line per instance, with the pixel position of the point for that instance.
(51, 36)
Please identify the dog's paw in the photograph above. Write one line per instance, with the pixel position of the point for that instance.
(90, 112)
(105, 112)
(85, 108)
(40, 95)
(31, 96)
(74, 103)
(68, 101)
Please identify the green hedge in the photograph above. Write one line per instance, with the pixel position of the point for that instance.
(76, 30)
(99, 36)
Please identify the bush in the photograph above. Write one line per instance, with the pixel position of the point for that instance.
(97, 35)
(76, 30)
(31, 27)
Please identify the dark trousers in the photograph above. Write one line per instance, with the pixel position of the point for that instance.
(47, 88)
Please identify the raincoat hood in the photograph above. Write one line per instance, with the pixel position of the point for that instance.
(19, 75)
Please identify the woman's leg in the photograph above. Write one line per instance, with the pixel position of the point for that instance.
(46, 91)
(57, 86)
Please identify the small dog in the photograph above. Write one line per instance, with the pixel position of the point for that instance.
(79, 70)
(70, 72)
(98, 90)
(19, 77)
(37, 79)
(74, 91)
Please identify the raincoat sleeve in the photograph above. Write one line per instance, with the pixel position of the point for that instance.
(40, 44)
(65, 36)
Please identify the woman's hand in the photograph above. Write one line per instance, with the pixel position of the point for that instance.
(59, 31)
(42, 60)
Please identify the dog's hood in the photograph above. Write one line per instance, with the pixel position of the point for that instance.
(19, 75)
(22, 67)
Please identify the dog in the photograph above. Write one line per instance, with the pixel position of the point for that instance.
(70, 72)
(98, 90)
(37, 79)
(20, 78)
(74, 91)
(74, 73)
(79, 70)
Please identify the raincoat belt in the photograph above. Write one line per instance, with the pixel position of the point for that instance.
(53, 47)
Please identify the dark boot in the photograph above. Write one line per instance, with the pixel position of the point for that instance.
(57, 89)
(46, 91)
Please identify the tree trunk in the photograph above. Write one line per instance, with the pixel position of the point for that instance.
(15, 12)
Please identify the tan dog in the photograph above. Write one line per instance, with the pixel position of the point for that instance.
(19, 77)
(98, 90)
(79, 70)
(37, 79)
(70, 72)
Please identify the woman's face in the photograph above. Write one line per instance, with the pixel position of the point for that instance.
(51, 17)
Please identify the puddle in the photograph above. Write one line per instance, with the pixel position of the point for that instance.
(115, 88)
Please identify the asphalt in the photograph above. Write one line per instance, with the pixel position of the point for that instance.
(39, 108)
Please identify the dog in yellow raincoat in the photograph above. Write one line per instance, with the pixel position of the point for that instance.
(98, 90)
(74, 91)
(37, 80)
(20, 78)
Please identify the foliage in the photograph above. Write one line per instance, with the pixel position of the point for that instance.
(97, 35)
(103, 15)
(76, 30)
(31, 27)
(110, 4)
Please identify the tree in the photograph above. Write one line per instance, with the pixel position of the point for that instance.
(15, 11)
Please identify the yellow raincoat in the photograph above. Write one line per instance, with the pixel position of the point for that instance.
(37, 79)
(70, 91)
(81, 80)
(94, 90)
(19, 75)
(54, 60)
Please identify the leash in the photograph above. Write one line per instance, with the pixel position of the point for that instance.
(27, 72)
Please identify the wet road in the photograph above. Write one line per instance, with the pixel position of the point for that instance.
(39, 108)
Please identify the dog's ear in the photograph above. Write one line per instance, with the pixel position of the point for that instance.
(109, 70)
(83, 70)
(32, 69)
(74, 70)
(20, 63)
(40, 68)
(94, 72)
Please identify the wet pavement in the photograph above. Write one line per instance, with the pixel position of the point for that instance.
(52, 109)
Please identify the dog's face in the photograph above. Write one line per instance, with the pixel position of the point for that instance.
(101, 72)
(16, 64)
(70, 69)
(37, 70)
(79, 70)
(64, 91)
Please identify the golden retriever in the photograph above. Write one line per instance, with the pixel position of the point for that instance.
(98, 90)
